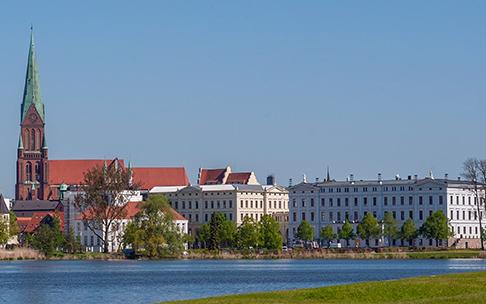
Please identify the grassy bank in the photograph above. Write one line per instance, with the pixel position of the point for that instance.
(389, 253)
(338, 254)
(456, 288)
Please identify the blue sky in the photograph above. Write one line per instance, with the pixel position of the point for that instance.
(282, 87)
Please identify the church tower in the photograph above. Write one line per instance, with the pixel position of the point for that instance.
(32, 158)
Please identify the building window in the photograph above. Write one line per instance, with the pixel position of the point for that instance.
(431, 200)
(28, 171)
(421, 200)
(440, 200)
(323, 202)
(32, 139)
(312, 202)
(294, 217)
(303, 216)
(312, 216)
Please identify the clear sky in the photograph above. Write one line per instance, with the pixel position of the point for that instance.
(282, 87)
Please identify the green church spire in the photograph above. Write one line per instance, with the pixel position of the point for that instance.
(32, 85)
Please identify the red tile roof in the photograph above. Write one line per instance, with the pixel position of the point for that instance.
(132, 208)
(147, 178)
(238, 178)
(30, 224)
(211, 176)
(71, 171)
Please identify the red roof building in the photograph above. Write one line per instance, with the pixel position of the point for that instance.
(30, 224)
(71, 171)
(147, 178)
(225, 176)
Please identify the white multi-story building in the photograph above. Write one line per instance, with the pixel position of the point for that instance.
(332, 202)
(90, 240)
(234, 201)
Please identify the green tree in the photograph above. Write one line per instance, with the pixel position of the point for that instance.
(48, 237)
(327, 234)
(4, 232)
(72, 244)
(390, 227)
(436, 227)
(153, 232)
(248, 235)
(13, 225)
(347, 232)
(408, 231)
(305, 232)
(369, 228)
(203, 235)
(270, 233)
(215, 228)
(228, 233)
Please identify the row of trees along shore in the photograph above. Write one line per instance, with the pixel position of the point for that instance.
(222, 233)
(435, 227)
(106, 190)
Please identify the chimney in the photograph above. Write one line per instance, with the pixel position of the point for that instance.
(379, 177)
(304, 178)
(446, 176)
(351, 177)
(317, 179)
(271, 180)
(409, 177)
(415, 177)
(458, 178)
(290, 182)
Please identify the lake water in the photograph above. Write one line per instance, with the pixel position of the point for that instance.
(63, 282)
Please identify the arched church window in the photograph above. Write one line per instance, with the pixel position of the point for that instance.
(37, 172)
(26, 138)
(28, 171)
(32, 139)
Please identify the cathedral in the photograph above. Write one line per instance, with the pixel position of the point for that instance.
(32, 156)
(40, 179)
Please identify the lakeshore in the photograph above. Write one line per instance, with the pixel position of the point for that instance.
(450, 288)
(325, 254)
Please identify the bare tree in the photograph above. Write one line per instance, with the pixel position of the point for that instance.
(472, 173)
(103, 198)
(482, 171)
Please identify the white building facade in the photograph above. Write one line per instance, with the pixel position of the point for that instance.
(332, 202)
(234, 201)
(90, 240)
